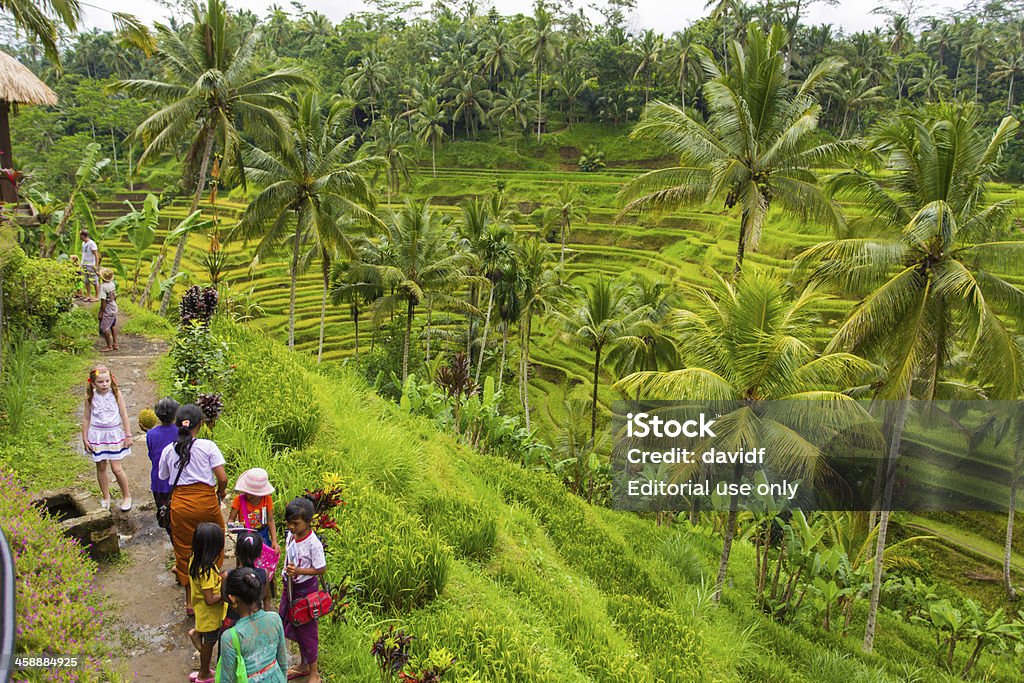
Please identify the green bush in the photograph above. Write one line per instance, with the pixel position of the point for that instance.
(388, 554)
(465, 527)
(269, 384)
(59, 611)
(37, 291)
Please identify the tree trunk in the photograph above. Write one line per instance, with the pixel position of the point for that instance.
(487, 325)
(430, 312)
(408, 336)
(504, 348)
(1009, 95)
(741, 247)
(326, 264)
(183, 242)
(294, 278)
(355, 319)
(565, 230)
(540, 92)
(883, 523)
(526, 370)
(723, 563)
(433, 158)
(1011, 593)
(593, 407)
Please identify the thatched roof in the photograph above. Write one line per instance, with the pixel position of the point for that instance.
(18, 84)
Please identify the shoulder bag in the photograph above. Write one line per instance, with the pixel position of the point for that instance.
(163, 513)
(311, 607)
(240, 673)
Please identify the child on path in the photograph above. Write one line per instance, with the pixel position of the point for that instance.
(205, 581)
(248, 548)
(106, 433)
(157, 439)
(257, 637)
(255, 506)
(108, 310)
(304, 563)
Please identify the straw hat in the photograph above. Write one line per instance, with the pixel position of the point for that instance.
(255, 482)
(106, 274)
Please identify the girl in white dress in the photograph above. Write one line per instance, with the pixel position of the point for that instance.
(106, 434)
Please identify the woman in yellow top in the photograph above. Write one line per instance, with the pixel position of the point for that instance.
(204, 581)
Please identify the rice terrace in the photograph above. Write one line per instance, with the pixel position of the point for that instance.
(533, 341)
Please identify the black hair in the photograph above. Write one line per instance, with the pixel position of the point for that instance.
(192, 414)
(207, 545)
(165, 409)
(299, 508)
(244, 583)
(248, 548)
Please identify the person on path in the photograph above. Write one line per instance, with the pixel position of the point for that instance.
(255, 505)
(106, 434)
(108, 310)
(248, 548)
(207, 602)
(90, 265)
(257, 637)
(157, 439)
(304, 563)
(195, 468)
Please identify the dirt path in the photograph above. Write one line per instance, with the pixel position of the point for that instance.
(149, 632)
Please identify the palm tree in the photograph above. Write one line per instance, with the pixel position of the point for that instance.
(981, 50)
(1009, 68)
(356, 282)
(603, 319)
(854, 91)
(471, 227)
(543, 290)
(369, 80)
(212, 81)
(751, 342)
(658, 350)
(928, 274)
(567, 207)
(541, 43)
(572, 83)
(931, 82)
(391, 141)
(307, 176)
(496, 258)
(756, 148)
(498, 55)
(508, 298)
(468, 99)
(683, 59)
(429, 125)
(514, 103)
(649, 50)
(421, 258)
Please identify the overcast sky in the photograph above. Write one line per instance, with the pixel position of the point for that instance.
(664, 16)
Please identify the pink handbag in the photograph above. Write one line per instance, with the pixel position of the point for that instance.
(269, 557)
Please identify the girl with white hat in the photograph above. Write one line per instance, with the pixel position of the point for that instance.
(255, 506)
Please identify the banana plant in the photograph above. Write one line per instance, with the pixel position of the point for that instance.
(188, 225)
(140, 226)
(89, 172)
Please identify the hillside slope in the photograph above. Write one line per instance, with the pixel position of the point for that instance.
(504, 569)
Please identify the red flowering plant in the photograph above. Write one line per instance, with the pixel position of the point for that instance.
(392, 652)
(326, 499)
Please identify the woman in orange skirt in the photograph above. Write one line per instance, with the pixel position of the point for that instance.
(195, 469)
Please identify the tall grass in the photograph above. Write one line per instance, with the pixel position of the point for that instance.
(20, 355)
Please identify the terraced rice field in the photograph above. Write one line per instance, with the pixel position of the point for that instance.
(683, 247)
